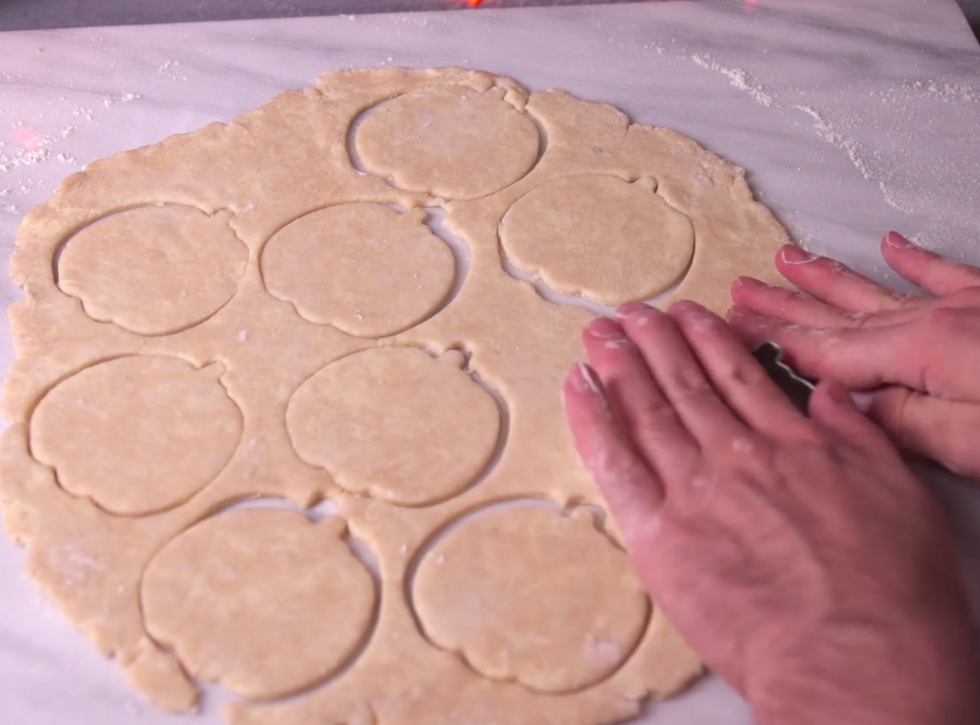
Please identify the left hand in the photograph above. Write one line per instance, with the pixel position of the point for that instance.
(919, 357)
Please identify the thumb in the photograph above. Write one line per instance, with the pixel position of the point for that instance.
(938, 429)
(837, 408)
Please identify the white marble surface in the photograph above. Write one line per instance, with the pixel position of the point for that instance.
(851, 117)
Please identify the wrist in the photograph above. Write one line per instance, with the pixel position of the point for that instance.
(920, 676)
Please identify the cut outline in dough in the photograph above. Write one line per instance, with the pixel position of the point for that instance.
(454, 355)
(63, 244)
(358, 549)
(552, 296)
(351, 147)
(580, 298)
(462, 256)
(505, 95)
(29, 415)
(354, 157)
(459, 270)
(435, 537)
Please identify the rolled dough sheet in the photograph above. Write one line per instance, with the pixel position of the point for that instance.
(309, 367)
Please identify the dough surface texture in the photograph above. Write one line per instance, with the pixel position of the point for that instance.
(449, 141)
(154, 269)
(137, 434)
(261, 600)
(371, 420)
(223, 339)
(503, 590)
(331, 263)
(600, 237)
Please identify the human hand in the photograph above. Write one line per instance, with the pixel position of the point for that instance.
(798, 556)
(920, 355)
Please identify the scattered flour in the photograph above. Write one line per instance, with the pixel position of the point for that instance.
(169, 69)
(948, 92)
(851, 147)
(914, 158)
(736, 76)
(34, 149)
(108, 101)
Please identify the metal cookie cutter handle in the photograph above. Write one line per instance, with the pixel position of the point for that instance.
(797, 388)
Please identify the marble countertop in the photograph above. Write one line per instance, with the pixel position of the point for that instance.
(852, 117)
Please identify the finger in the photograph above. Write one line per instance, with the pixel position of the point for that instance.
(679, 375)
(796, 308)
(927, 269)
(738, 376)
(849, 356)
(632, 491)
(931, 427)
(833, 406)
(637, 400)
(833, 283)
(933, 353)
(785, 304)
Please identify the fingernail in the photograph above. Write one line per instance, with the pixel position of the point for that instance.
(751, 283)
(862, 401)
(605, 329)
(794, 255)
(685, 308)
(631, 308)
(897, 241)
(590, 378)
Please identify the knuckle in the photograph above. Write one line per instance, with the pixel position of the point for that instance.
(900, 299)
(751, 448)
(744, 374)
(860, 320)
(653, 414)
(838, 270)
(688, 384)
(946, 321)
(814, 436)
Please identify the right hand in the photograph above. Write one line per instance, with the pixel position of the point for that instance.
(918, 357)
(798, 556)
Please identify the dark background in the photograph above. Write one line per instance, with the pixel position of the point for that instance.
(34, 14)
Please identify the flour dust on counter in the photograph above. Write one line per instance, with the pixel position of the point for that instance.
(301, 335)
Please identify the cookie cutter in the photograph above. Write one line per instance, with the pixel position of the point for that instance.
(796, 387)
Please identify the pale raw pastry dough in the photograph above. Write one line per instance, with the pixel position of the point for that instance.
(449, 141)
(154, 269)
(261, 600)
(331, 263)
(396, 424)
(262, 171)
(559, 617)
(599, 236)
(137, 434)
